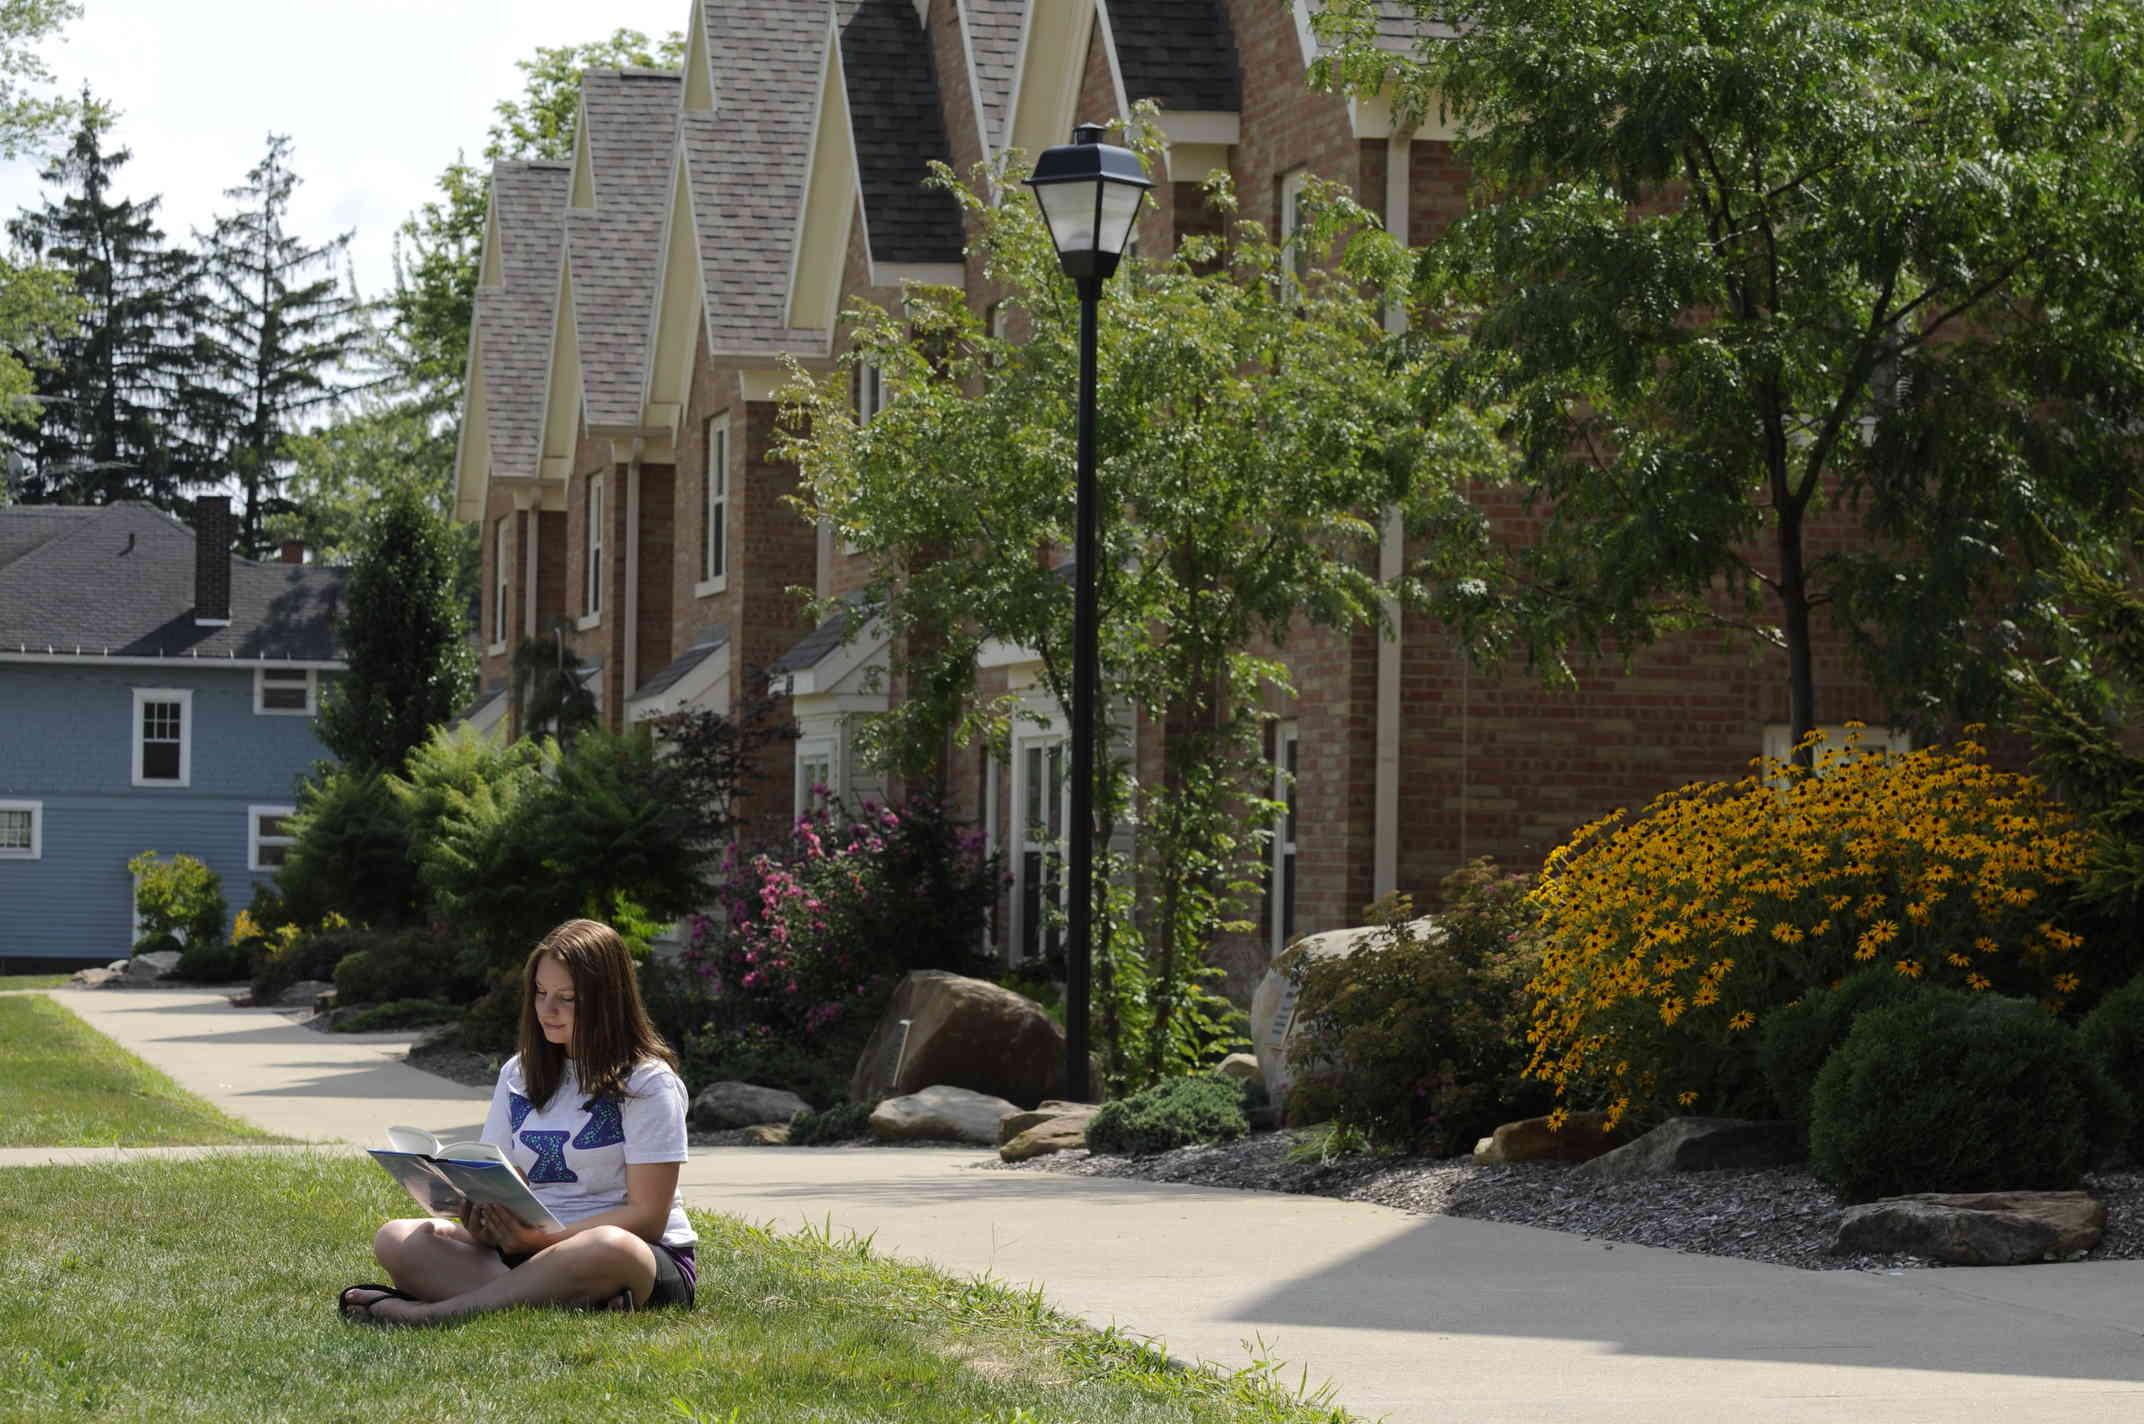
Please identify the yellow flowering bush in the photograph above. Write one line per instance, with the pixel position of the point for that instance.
(1669, 937)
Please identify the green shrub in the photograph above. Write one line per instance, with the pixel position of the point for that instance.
(843, 1122)
(2114, 1033)
(1947, 1092)
(179, 896)
(407, 964)
(292, 955)
(1796, 1040)
(213, 962)
(1178, 1113)
(493, 1023)
(162, 943)
(395, 1013)
(817, 1072)
(351, 855)
(1416, 1039)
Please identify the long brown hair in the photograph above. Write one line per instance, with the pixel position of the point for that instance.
(611, 1032)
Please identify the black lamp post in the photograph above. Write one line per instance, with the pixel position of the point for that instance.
(1090, 193)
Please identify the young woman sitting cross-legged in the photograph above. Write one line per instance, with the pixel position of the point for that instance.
(592, 1112)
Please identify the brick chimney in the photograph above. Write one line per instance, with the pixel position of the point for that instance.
(293, 551)
(212, 560)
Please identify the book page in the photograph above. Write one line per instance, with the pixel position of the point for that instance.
(413, 1139)
(499, 1182)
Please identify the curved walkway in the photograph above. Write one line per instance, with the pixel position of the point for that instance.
(1415, 1318)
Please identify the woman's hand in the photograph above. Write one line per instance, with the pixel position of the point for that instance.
(494, 1225)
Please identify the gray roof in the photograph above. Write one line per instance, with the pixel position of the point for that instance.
(993, 32)
(899, 129)
(1400, 29)
(1179, 53)
(704, 647)
(484, 699)
(815, 646)
(120, 581)
(615, 250)
(26, 527)
(515, 318)
(746, 164)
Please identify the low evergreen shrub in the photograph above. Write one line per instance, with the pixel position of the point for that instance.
(291, 955)
(1795, 1041)
(2114, 1033)
(1178, 1113)
(213, 962)
(1952, 1093)
(407, 964)
(352, 854)
(816, 1071)
(395, 1013)
(843, 1122)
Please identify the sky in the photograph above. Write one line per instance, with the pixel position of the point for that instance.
(376, 95)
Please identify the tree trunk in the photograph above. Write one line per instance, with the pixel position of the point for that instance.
(1794, 601)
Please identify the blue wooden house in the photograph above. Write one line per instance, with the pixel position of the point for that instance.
(156, 693)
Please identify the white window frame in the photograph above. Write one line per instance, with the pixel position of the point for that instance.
(592, 548)
(870, 393)
(1023, 845)
(1292, 261)
(715, 512)
(501, 588)
(255, 840)
(185, 698)
(810, 752)
(1280, 899)
(36, 848)
(260, 693)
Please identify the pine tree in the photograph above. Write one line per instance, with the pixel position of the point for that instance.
(282, 342)
(109, 388)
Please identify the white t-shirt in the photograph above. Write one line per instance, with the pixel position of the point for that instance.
(575, 1157)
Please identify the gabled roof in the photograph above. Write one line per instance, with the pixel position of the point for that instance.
(28, 527)
(514, 318)
(898, 128)
(706, 645)
(628, 134)
(992, 31)
(119, 581)
(1180, 53)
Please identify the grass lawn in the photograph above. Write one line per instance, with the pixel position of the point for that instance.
(11, 982)
(66, 1085)
(205, 1290)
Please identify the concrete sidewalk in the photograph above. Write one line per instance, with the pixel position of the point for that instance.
(1415, 1318)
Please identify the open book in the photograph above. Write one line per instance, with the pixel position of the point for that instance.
(441, 1175)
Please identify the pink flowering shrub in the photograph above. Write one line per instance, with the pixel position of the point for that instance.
(813, 933)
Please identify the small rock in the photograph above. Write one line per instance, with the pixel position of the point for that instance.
(305, 994)
(95, 978)
(941, 1112)
(1583, 1136)
(150, 967)
(1699, 1144)
(733, 1104)
(1062, 1134)
(768, 1134)
(1243, 1067)
(1975, 1228)
(1015, 1123)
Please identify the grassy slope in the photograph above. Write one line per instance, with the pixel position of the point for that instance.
(66, 1085)
(117, 1301)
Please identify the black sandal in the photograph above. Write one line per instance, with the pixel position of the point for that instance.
(362, 1314)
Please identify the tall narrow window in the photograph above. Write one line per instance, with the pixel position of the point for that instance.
(1281, 903)
(715, 505)
(593, 602)
(502, 589)
(1295, 256)
(870, 390)
(815, 771)
(163, 725)
(1040, 811)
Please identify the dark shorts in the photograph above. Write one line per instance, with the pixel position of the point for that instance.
(677, 1274)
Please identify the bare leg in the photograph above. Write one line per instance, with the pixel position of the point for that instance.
(434, 1259)
(587, 1269)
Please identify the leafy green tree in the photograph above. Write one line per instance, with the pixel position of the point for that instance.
(109, 390)
(554, 699)
(1740, 266)
(1251, 435)
(403, 631)
(439, 247)
(37, 303)
(281, 343)
(338, 474)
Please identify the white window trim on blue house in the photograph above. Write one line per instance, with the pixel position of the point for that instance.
(185, 698)
(282, 675)
(255, 841)
(36, 848)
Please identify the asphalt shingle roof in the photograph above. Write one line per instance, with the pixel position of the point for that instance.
(703, 648)
(814, 647)
(515, 318)
(893, 112)
(993, 31)
(27, 528)
(120, 581)
(745, 164)
(615, 250)
(1180, 53)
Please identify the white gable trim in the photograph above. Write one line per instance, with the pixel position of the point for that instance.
(582, 191)
(819, 243)
(1109, 52)
(868, 647)
(563, 397)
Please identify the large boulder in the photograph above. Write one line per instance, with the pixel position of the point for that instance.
(1062, 1134)
(1583, 1137)
(961, 1033)
(305, 994)
(150, 967)
(1975, 1228)
(722, 1105)
(1014, 1123)
(1273, 1002)
(941, 1112)
(1239, 1068)
(96, 977)
(1700, 1144)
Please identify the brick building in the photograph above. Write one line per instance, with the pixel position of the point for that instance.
(634, 307)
